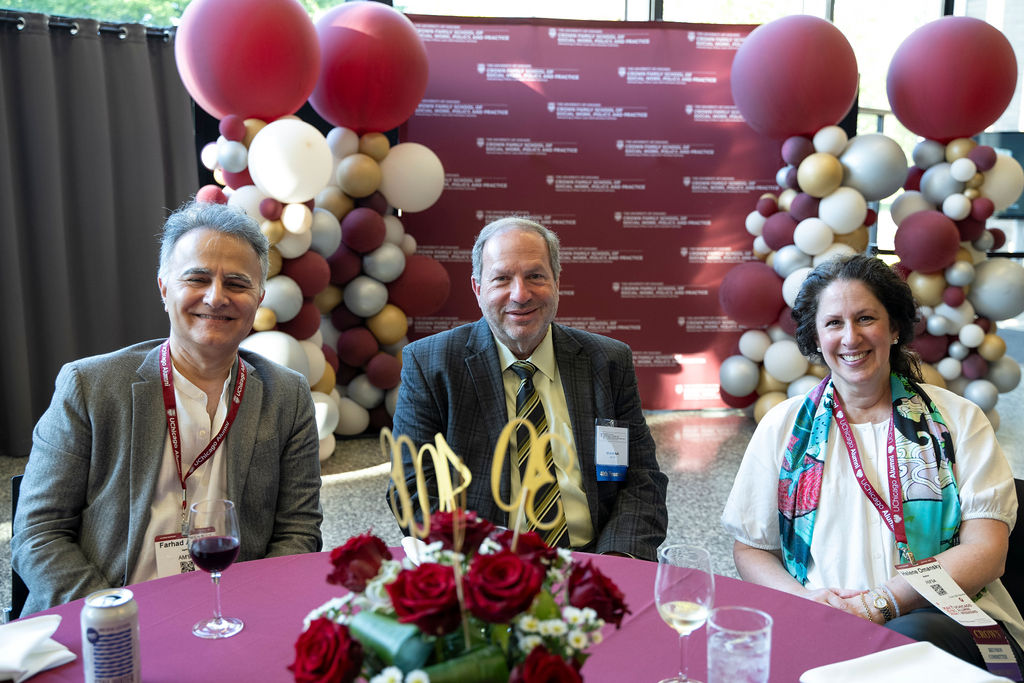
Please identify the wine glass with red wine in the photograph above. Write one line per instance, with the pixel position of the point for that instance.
(213, 541)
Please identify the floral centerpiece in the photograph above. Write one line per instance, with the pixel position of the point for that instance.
(508, 607)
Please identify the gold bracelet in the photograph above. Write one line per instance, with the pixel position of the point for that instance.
(867, 611)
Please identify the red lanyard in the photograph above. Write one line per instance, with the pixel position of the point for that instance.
(892, 514)
(170, 408)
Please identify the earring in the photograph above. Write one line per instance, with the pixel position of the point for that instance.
(819, 349)
(895, 341)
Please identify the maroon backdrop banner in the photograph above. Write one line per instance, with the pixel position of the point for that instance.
(624, 139)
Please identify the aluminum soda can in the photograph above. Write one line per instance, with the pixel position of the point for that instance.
(110, 637)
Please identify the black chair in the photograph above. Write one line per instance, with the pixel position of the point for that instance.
(1013, 577)
(19, 591)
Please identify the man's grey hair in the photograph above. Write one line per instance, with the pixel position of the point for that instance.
(515, 223)
(225, 219)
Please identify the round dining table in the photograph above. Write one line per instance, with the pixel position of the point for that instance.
(273, 596)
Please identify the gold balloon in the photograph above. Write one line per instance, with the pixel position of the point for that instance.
(819, 174)
(328, 299)
(252, 126)
(927, 287)
(818, 370)
(265, 319)
(963, 254)
(932, 376)
(976, 181)
(276, 261)
(332, 199)
(374, 145)
(273, 231)
(769, 260)
(992, 347)
(972, 193)
(326, 383)
(769, 384)
(218, 176)
(786, 198)
(766, 402)
(959, 148)
(858, 239)
(358, 175)
(769, 195)
(388, 326)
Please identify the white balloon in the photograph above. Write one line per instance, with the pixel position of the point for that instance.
(408, 244)
(327, 447)
(296, 218)
(738, 375)
(907, 203)
(963, 169)
(784, 362)
(248, 198)
(208, 155)
(412, 177)
(753, 344)
(813, 236)
(835, 250)
(801, 385)
(295, 244)
(326, 233)
(391, 401)
(831, 140)
(329, 332)
(364, 393)
(394, 230)
(352, 418)
(290, 160)
(283, 297)
(326, 414)
(844, 210)
(279, 347)
(342, 142)
(385, 263)
(958, 316)
(317, 362)
(949, 368)
(956, 206)
(791, 286)
(1003, 182)
(971, 335)
(755, 223)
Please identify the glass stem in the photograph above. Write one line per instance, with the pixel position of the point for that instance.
(684, 671)
(215, 577)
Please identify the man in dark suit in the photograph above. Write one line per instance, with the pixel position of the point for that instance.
(102, 502)
(462, 384)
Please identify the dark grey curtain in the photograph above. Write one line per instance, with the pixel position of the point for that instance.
(96, 145)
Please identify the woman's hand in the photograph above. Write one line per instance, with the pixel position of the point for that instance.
(834, 597)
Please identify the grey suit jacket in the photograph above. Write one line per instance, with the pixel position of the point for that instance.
(90, 478)
(451, 384)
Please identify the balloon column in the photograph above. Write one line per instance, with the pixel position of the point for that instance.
(344, 273)
(949, 80)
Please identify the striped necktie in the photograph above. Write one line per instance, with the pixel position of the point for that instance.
(528, 407)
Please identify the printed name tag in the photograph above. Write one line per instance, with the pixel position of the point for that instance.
(611, 450)
(172, 555)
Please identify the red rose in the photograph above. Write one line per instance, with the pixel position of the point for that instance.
(442, 528)
(357, 562)
(500, 586)
(543, 667)
(588, 587)
(327, 653)
(426, 596)
(530, 546)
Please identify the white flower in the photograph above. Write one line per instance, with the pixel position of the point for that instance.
(330, 609)
(589, 614)
(392, 674)
(565, 555)
(417, 676)
(572, 615)
(578, 640)
(596, 637)
(553, 627)
(527, 643)
(529, 623)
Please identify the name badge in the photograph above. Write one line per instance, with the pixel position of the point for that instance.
(611, 450)
(172, 555)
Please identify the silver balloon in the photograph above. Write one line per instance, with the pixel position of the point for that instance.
(927, 153)
(958, 350)
(960, 274)
(907, 203)
(985, 242)
(789, 258)
(738, 375)
(874, 165)
(998, 289)
(364, 393)
(1004, 373)
(983, 393)
(385, 263)
(937, 183)
(365, 296)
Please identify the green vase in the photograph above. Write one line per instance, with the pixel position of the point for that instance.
(397, 644)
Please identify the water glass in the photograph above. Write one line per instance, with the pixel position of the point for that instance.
(739, 645)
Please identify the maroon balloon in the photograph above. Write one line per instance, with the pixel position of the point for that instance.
(953, 296)
(363, 230)
(751, 294)
(211, 194)
(796, 149)
(232, 127)
(998, 238)
(346, 373)
(766, 206)
(271, 208)
(983, 156)
(932, 349)
(374, 67)
(384, 371)
(804, 206)
(984, 323)
(310, 272)
(379, 419)
(871, 217)
(982, 209)
(951, 78)
(331, 356)
(356, 346)
(344, 319)
(305, 324)
(237, 180)
(422, 288)
(970, 228)
(974, 367)
(786, 321)
(913, 181)
(778, 230)
(375, 201)
(737, 401)
(781, 89)
(927, 241)
(345, 264)
(255, 58)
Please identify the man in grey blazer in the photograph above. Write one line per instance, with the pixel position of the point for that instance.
(102, 482)
(460, 383)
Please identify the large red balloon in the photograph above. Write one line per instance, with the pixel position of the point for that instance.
(751, 294)
(422, 288)
(374, 67)
(927, 241)
(951, 78)
(255, 58)
(793, 76)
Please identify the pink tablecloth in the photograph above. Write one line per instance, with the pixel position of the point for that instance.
(272, 597)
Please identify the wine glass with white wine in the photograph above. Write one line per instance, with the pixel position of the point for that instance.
(684, 591)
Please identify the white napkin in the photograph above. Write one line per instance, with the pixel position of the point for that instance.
(26, 648)
(913, 662)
